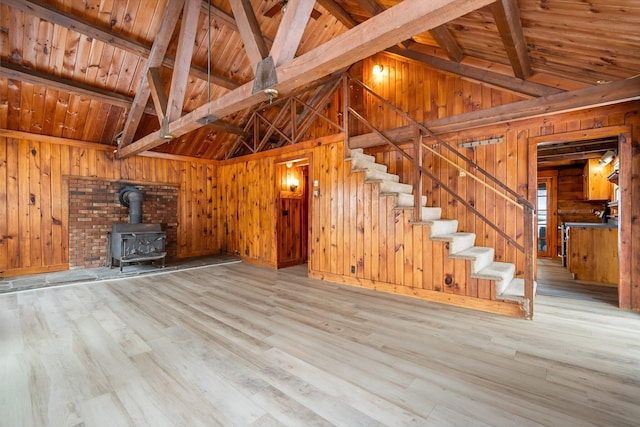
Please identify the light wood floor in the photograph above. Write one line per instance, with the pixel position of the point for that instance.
(244, 345)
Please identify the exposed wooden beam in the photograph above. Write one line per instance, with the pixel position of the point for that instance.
(484, 76)
(186, 43)
(338, 12)
(374, 8)
(371, 6)
(158, 94)
(49, 13)
(290, 31)
(591, 97)
(396, 24)
(167, 26)
(7, 133)
(16, 72)
(216, 13)
(445, 40)
(250, 32)
(507, 17)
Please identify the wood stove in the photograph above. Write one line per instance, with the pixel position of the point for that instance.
(137, 242)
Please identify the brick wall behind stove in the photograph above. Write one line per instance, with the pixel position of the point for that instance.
(94, 207)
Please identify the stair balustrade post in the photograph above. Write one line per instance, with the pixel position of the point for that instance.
(346, 105)
(529, 259)
(417, 174)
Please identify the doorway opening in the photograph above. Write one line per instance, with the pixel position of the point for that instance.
(581, 244)
(292, 210)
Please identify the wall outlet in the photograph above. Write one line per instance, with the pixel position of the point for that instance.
(353, 269)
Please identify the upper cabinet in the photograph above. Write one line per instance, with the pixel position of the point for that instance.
(595, 183)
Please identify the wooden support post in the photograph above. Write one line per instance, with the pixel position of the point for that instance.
(346, 102)
(417, 175)
(529, 259)
(293, 120)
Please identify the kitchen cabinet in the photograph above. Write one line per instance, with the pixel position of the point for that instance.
(592, 252)
(595, 183)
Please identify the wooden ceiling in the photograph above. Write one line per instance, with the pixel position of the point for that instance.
(81, 70)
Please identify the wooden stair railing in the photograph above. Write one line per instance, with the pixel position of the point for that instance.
(421, 131)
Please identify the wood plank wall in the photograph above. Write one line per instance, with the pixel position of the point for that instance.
(34, 229)
(248, 199)
(351, 227)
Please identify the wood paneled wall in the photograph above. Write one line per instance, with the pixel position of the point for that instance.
(33, 199)
(350, 229)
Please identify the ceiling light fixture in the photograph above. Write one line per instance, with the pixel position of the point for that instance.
(607, 157)
(271, 94)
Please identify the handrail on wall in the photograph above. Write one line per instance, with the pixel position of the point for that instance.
(508, 194)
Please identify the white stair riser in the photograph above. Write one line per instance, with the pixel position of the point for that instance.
(480, 257)
(361, 163)
(429, 214)
(502, 275)
(375, 175)
(445, 226)
(462, 242)
(406, 200)
(395, 187)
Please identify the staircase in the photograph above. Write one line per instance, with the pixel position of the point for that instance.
(461, 245)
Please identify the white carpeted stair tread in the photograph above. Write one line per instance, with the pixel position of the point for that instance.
(442, 226)
(500, 272)
(480, 257)
(395, 187)
(457, 241)
(358, 155)
(406, 200)
(515, 291)
(360, 163)
(376, 175)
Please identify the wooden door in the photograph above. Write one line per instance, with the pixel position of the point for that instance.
(293, 218)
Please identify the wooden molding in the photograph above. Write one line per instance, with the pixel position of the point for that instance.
(579, 135)
(27, 136)
(13, 272)
(505, 308)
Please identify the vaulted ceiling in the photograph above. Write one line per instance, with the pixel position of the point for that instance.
(128, 73)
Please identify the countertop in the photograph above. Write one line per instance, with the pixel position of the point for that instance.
(591, 224)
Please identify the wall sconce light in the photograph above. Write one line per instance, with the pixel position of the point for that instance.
(289, 165)
(607, 157)
(377, 70)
